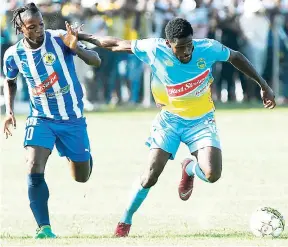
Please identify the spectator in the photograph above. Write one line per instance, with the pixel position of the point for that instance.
(231, 34)
(255, 27)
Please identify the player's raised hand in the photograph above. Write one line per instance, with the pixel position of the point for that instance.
(70, 39)
(8, 121)
(268, 97)
(77, 27)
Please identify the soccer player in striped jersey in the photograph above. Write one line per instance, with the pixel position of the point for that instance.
(182, 75)
(45, 59)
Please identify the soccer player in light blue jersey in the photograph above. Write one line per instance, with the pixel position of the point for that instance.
(45, 59)
(182, 77)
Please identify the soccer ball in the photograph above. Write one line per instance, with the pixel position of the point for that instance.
(267, 221)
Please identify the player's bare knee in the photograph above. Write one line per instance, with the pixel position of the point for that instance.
(156, 166)
(80, 171)
(81, 179)
(34, 166)
(148, 182)
(36, 158)
(213, 177)
(150, 179)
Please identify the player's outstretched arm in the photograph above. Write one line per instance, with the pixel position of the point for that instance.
(88, 56)
(70, 40)
(240, 62)
(107, 42)
(10, 88)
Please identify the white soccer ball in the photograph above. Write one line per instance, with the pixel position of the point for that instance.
(267, 221)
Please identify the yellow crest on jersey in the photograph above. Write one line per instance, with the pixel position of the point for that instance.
(201, 64)
(49, 58)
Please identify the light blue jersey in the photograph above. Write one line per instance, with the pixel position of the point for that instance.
(182, 89)
(183, 92)
(54, 89)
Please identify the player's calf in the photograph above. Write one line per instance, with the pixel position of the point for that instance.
(157, 162)
(38, 192)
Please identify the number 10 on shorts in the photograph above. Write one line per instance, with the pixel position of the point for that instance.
(31, 122)
(29, 133)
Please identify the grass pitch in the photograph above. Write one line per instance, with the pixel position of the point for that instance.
(255, 168)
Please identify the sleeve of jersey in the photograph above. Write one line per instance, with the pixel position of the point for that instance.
(221, 52)
(63, 32)
(144, 49)
(10, 68)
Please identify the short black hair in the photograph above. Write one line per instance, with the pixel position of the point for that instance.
(17, 21)
(178, 28)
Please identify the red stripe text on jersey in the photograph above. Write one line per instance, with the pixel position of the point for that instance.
(49, 82)
(186, 87)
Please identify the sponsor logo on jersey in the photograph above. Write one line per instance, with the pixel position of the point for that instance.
(49, 82)
(187, 87)
(204, 89)
(61, 91)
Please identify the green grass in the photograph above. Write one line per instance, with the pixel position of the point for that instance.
(219, 106)
(255, 172)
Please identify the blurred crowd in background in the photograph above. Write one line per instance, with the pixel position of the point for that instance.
(245, 25)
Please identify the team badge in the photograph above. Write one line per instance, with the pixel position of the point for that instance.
(49, 58)
(168, 63)
(201, 64)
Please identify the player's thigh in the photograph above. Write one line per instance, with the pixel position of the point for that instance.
(157, 160)
(39, 142)
(73, 141)
(164, 135)
(36, 158)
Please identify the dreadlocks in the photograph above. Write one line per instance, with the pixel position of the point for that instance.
(17, 21)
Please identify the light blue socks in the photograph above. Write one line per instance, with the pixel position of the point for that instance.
(138, 196)
(193, 168)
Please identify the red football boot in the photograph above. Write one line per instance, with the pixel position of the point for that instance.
(122, 230)
(186, 184)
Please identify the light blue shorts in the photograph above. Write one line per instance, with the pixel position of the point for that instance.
(69, 136)
(168, 130)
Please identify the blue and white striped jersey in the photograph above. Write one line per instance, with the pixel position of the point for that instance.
(50, 74)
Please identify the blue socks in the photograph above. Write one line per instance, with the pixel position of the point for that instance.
(193, 168)
(138, 196)
(38, 195)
